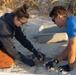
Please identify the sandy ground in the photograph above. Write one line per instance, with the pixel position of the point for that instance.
(51, 50)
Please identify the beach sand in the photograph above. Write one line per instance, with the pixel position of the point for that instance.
(50, 50)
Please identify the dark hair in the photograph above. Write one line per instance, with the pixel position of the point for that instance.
(21, 12)
(58, 10)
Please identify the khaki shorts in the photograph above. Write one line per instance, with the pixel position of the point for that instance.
(5, 59)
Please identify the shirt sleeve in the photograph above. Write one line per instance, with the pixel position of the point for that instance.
(22, 39)
(71, 29)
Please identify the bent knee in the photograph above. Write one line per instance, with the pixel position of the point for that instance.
(5, 60)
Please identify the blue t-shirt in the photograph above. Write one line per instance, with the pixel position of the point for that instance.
(71, 26)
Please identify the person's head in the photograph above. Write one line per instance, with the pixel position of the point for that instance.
(20, 15)
(59, 15)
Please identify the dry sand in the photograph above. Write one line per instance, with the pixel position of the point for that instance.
(51, 50)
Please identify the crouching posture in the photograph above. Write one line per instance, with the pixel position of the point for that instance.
(61, 18)
(10, 27)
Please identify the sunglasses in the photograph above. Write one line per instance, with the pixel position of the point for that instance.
(22, 22)
(53, 20)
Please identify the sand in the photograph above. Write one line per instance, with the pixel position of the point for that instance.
(51, 50)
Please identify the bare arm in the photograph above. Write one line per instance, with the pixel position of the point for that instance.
(64, 54)
(72, 52)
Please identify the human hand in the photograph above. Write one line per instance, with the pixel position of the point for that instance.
(51, 64)
(26, 61)
(64, 68)
(39, 55)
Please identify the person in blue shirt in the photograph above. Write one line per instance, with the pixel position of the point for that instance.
(61, 18)
(10, 26)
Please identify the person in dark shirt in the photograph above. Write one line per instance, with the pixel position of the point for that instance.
(10, 26)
